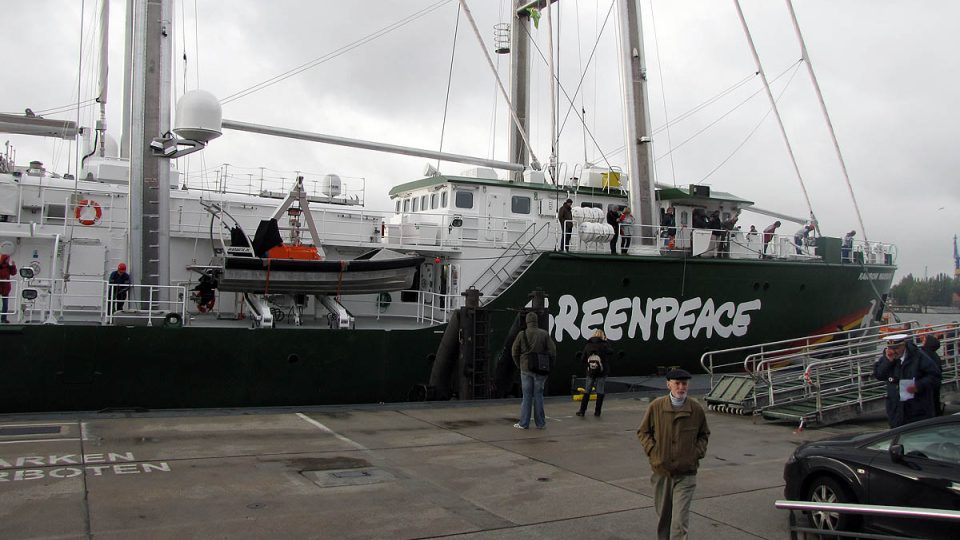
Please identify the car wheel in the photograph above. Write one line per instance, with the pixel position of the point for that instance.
(825, 489)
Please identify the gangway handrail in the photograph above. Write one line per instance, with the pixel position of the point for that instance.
(707, 357)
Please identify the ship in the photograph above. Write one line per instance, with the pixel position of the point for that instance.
(321, 301)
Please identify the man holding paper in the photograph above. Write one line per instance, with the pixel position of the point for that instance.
(911, 377)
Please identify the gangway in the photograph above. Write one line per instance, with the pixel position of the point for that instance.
(831, 382)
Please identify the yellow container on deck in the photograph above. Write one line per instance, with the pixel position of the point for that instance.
(610, 179)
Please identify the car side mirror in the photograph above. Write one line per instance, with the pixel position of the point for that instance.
(896, 453)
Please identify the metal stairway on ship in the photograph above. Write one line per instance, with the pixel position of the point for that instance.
(824, 380)
(510, 265)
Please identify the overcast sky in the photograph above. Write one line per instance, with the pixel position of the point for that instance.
(887, 69)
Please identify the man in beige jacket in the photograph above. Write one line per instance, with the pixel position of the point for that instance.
(674, 435)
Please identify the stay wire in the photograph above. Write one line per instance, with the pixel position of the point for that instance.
(446, 99)
(749, 135)
(663, 95)
(335, 53)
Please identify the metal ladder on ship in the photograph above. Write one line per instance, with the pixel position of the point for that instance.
(511, 264)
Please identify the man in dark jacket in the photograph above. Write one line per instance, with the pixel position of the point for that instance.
(529, 342)
(120, 284)
(911, 377)
(613, 219)
(596, 355)
(929, 344)
(565, 217)
(674, 435)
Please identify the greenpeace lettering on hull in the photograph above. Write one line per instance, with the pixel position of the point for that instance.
(657, 318)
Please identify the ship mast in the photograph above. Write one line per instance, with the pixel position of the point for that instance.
(637, 128)
(636, 122)
(150, 72)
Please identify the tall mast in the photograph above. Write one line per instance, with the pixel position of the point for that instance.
(104, 68)
(149, 219)
(637, 126)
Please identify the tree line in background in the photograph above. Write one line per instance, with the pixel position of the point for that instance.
(939, 290)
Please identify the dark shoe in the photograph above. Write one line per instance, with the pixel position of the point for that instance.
(583, 404)
(596, 411)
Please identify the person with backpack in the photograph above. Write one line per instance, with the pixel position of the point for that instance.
(596, 354)
(533, 352)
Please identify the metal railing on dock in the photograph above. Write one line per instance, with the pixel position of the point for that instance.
(800, 529)
(815, 380)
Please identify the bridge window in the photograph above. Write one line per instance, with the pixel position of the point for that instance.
(398, 206)
(520, 205)
(416, 204)
(443, 199)
(463, 199)
(433, 201)
(406, 205)
(423, 202)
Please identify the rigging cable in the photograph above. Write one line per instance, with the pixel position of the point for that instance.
(699, 132)
(333, 54)
(805, 56)
(534, 162)
(583, 110)
(79, 83)
(663, 95)
(564, 91)
(776, 111)
(446, 99)
(752, 131)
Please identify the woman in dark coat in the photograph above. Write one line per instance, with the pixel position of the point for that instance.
(596, 356)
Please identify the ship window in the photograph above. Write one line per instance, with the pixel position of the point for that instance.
(591, 205)
(443, 199)
(520, 205)
(463, 199)
(398, 206)
(423, 202)
(433, 201)
(416, 204)
(406, 205)
(683, 218)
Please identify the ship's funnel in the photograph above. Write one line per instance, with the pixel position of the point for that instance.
(199, 117)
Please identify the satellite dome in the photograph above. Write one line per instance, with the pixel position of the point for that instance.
(199, 116)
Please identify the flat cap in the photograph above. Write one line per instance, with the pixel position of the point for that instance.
(678, 375)
(896, 339)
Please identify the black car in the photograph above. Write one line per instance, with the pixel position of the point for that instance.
(915, 465)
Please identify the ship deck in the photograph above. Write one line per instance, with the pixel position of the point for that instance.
(377, 471)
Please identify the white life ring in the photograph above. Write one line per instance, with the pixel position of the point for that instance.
(88, 203)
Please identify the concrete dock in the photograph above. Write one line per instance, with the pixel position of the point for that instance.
(377, 471)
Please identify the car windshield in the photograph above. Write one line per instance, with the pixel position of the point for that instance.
(940, 442)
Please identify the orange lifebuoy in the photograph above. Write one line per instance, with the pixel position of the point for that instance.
(88, 203)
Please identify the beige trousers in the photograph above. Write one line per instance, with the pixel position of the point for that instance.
(671, 499)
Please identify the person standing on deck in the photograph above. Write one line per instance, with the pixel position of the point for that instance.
(626, 230)
(613, 219)
(674, 435)
(846, 248)
(565, 217)
(911, 377)
(800, 237)
(120, 281)
(8, 270)
(529, 342)
(768, 234)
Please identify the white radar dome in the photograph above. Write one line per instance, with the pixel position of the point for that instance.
(330, 185)
(199, 116)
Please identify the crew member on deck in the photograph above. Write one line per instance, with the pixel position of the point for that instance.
(120, 281)
(206, 295)
(565, 217)
(768, 234)
(847, 247)
(8, 269)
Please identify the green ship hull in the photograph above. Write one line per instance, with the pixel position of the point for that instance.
(658, 311)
